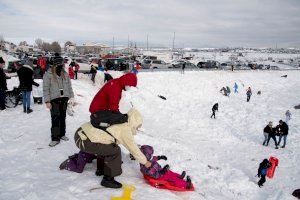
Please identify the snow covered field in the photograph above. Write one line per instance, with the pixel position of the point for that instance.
(179, 128)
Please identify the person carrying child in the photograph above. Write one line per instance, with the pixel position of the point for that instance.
(262, 171)
(163, 173)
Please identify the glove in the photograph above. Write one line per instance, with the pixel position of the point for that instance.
(71, 101)
(37, 85)
(258, 175)
(162, 157)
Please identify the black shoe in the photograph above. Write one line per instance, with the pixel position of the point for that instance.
(24, 109)
(283, 147)
(110, 182)
(29, 110)
(182, 175)
(99, 172)
(276, 147)
(188, 182)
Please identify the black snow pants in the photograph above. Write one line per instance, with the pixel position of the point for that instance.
(58, 118)
(2, 99)
(274, 138)
(213, 114)
(262, 180)
(109, 157)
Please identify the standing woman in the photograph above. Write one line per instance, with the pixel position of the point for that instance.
(25, 74)
(57, 90)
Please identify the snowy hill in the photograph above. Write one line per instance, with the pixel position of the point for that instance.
(179, 128)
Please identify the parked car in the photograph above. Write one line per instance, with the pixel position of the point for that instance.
(188, 65)
(117, 64)
(159, 64)
(210, 64)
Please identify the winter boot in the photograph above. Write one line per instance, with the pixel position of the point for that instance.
(182, 175)
(53, 143)
(188, 182)
(67, 163)
(110, 182)
(165, 169)
(24, 109)
(65, 138)
(29, 110)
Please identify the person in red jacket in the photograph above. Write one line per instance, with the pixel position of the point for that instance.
(71, 72)
(109, 96)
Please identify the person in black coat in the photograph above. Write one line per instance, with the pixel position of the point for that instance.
(214, 109)
(3, 85)
(284, 131)
(262, 171)
(269, 133)
(25, 74)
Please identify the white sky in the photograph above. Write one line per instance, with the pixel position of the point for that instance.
(197, 23)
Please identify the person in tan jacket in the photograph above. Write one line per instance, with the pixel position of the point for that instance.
(105, 144)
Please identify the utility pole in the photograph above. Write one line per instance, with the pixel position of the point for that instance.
(128, 43)
(113, 44)
(173, 42)
(147, 42)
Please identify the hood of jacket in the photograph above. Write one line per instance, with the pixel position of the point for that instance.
(129, 79)
(135, 120)
(147, 151)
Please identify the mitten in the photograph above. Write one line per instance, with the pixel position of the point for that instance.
(162, 157)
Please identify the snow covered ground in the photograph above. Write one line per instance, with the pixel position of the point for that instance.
(179, 127)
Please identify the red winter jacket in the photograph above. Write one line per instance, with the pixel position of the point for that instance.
(109, 96)
(71, 73)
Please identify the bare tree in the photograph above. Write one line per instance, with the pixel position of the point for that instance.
(68, 43)
(55, 47)
(2, 42)
(39, 43)
(46, 46)
(23, 43)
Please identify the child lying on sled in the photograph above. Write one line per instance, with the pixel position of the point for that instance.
(164, 174)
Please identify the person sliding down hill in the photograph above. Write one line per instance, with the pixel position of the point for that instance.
(163, 173)
(262, 171)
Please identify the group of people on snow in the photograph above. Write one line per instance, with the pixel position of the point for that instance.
(226, 91)
(281, 130)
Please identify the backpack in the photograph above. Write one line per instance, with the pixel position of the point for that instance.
(105, 118)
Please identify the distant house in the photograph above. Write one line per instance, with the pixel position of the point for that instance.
(92, 48)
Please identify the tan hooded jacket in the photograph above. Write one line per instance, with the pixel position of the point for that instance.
(124, 134)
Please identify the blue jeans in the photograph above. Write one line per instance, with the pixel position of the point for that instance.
(26, 99)
(284, 140)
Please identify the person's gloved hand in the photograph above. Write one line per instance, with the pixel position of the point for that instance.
(258, 175)
(162, 157)
(37, 85)
(71, 101)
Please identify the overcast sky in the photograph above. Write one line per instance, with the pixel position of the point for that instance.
(197, 23)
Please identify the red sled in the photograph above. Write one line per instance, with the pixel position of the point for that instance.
(166, 185)
(274, 161)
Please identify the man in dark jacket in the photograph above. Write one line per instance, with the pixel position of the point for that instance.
(3, 86)
(284, 131)
(25, 74)
(262, 171)
(214, 109)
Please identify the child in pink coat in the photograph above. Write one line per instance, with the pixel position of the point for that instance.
(165, 174)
